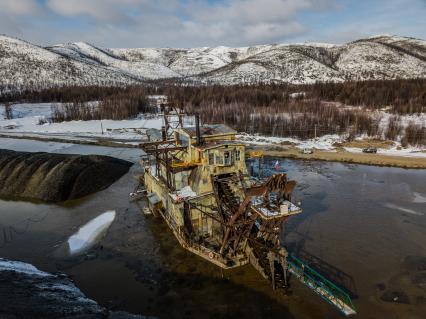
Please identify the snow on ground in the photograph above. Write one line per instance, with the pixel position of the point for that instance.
(404, 120)
(324, 143)
(406, 152)
(29, 118)
(29, 121)
(419, 198)
(396, 150)
(28, 110)
(327, 143)
(88, 234)
(17, 266)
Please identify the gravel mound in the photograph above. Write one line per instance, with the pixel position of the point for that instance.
(56, 177)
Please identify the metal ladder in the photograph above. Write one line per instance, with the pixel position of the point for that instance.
(321, 286)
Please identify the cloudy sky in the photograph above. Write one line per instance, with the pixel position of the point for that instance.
(189, 23)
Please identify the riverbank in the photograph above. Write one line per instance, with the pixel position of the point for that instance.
(341, 155)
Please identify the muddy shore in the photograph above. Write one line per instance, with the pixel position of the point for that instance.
(343, 156)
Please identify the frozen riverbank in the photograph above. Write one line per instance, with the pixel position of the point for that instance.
(27, 292)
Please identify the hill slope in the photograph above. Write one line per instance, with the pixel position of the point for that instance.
(382, 57)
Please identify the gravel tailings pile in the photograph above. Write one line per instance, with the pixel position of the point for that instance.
(56, 177)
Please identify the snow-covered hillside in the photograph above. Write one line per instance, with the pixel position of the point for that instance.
(382, 57)
(23, 65)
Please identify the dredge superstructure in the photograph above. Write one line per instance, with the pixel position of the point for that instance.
(196, 178)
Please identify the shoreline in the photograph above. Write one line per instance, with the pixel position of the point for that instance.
(95, 142)
(339, 155)
(343, 157)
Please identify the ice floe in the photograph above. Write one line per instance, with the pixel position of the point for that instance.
(403, 209)
(87, 234)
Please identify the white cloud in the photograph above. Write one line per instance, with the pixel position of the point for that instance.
(102, 10)
(237, 22)
(19, 7)
(187, 23)
(250, 21)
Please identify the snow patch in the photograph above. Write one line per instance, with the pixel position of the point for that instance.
(419, 198)
(403, 209)
(88, 234)
(17, 266)
(324, 143)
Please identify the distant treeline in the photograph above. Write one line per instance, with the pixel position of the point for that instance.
(117, 105)
(307, 110)
(110, 102)
(276, 109)
(302, 119)
(70, 94)
(401, 96)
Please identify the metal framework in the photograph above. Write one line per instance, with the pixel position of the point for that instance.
(247, 216)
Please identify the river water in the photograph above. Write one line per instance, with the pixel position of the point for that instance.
(363, 227)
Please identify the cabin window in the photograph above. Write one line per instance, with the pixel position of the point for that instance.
(228, 158)
(211, 158)
(237, 155)
(219, 159)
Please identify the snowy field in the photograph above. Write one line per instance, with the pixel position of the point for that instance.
(32, 120)
(328, 143)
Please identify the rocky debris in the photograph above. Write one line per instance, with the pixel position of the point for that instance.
(56, 177)
(26, 292)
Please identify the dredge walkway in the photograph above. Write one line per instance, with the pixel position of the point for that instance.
(321, 286)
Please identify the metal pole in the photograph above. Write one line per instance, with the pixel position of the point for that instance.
(197, 128)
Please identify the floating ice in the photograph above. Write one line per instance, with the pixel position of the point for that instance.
(87, 234)
(419, 198)
(403, 209)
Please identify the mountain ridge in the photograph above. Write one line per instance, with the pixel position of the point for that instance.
(23, 64)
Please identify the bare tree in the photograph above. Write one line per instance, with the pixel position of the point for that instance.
(8, 112)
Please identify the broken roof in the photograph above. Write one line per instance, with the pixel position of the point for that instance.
(210, 129)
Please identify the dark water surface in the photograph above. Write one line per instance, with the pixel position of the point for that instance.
(363, 227)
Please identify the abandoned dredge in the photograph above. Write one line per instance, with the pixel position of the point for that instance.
(196, 178)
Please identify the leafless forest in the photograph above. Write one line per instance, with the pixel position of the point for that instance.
(118, 105)
(279, 110)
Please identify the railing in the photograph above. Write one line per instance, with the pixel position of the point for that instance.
(322, 286)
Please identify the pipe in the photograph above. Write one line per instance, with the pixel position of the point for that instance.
(198, 129)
